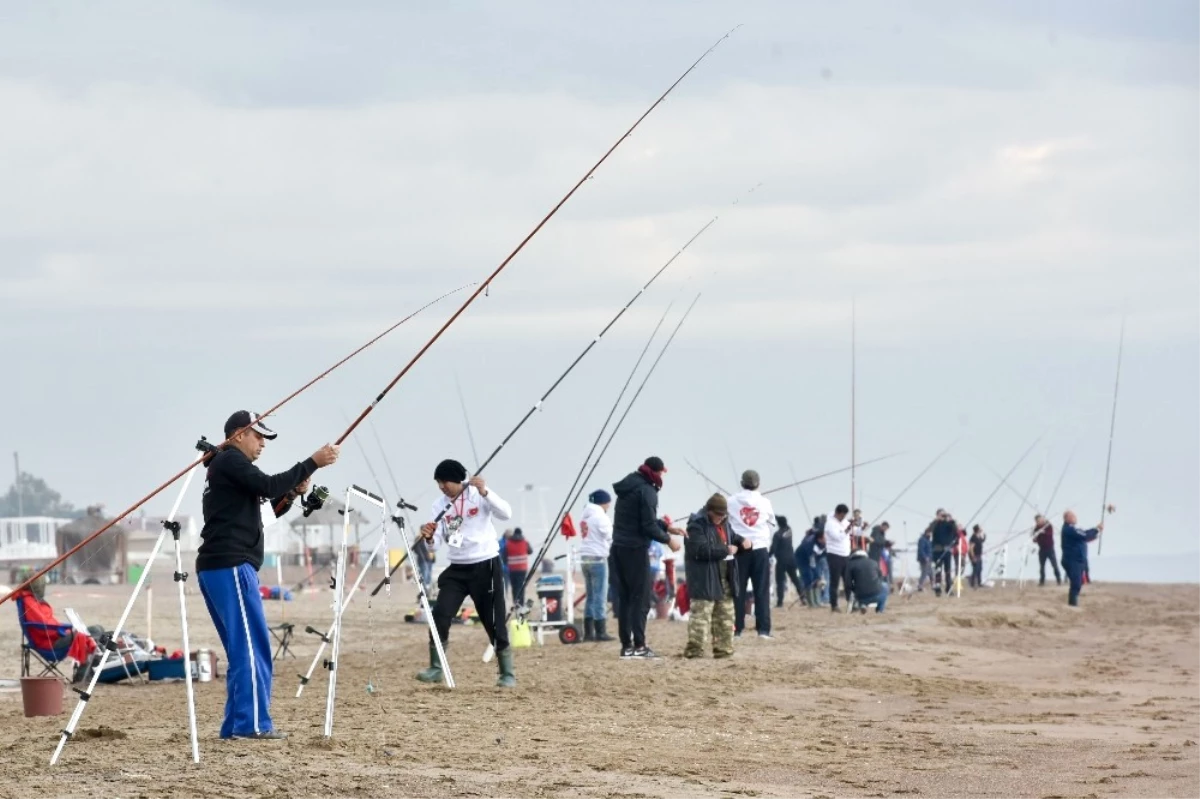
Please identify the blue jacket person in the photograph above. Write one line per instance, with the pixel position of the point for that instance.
(228, 561)
(1074, 552)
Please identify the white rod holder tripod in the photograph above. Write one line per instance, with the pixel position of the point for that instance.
(327, 637)
(110, 647)
(339, 597)
(426, 610)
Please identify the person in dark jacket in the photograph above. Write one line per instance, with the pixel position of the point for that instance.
(925, 557)
(811, 548)
(975, 550)
(864, 582)
(712, 573)
(784, 553)
(635, 525)
(229, 558)
(945, 536)
(1074, 553)
(1043, 536)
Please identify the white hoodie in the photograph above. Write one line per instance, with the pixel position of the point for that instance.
(479, 539)
(595, 532)
(752, 516)
(837, 539)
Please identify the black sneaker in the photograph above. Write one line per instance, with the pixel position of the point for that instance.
(627, 653)
(644, 653)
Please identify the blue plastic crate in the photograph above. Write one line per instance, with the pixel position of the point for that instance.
(163, 669)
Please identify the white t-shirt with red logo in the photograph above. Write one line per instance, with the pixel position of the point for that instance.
(752, 517)
(595, 532)
(479, 540)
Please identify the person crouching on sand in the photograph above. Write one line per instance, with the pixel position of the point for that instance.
(709, 551)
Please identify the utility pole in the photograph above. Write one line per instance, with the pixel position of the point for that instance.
(20, 488)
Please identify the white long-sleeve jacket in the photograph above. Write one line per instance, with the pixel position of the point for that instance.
(752, 516)
(479, 540)
(595, 532)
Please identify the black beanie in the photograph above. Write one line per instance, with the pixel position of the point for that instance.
(450, 471)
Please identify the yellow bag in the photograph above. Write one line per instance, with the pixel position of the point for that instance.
(519, 634)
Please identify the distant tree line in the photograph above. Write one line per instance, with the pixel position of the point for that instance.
(30, 496)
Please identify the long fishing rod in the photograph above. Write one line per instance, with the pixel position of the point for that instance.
(379, 398)
(921, 474)
(808, 517)
(1112, 429)
(1000, 485)
(1062, 476)
(830, 474)
(1025, 501)
(213, 448)
(553, 531)
(401, 505)
(706, 478)
(466, 419)
(487, 282)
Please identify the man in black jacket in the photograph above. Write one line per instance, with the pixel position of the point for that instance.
(945, 536)
(635, 525)
(711, 574)
(784, 552)
(228, 561)
(864, 582)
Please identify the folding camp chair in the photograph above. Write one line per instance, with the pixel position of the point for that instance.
(50, 659)
(283, 635)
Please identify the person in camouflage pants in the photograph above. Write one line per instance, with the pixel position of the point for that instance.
(711, 573)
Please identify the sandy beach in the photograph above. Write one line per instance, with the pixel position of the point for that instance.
(1000, 693)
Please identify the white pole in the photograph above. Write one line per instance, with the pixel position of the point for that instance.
(328, 636)
(69, 730)
(338, 591)
(180, 577)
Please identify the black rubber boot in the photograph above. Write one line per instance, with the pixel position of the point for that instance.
(434, 672)
(588, 630)
(601, 632)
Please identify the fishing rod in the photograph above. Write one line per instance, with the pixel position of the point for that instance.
(580, 484)
(1000, 485)
(1015, 491)
(706, 478)
(211, 449)
(487, 282)
(921, 474)
(453, 317)
(466, 419)
(579, 477)
(829, 474)
(1049, 505)
(1112, 429)
(401, 505)
(808, 517)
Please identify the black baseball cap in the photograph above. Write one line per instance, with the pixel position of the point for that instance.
(242, 419)
(656, 464)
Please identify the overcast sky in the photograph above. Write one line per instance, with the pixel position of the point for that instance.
(204, 204)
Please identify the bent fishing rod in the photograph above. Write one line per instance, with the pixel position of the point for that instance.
(210, 449)
(580, 484)
(379, 398)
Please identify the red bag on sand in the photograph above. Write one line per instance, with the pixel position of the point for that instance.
(567, 528)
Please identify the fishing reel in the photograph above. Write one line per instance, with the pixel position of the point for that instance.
(315, 500)
(206, 446)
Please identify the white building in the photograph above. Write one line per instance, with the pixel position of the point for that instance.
(29, 540)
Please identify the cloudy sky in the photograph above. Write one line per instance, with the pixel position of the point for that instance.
(205, 204)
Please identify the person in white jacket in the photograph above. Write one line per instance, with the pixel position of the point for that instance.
(595, 532)
(753, 518)
(466, 509)
(837, 551)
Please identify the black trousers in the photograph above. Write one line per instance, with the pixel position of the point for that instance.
(782, 573)
(837, 572)
(630, 568)
(942, 562)
(517, 579)
(754, 565)
(1043, 557)
(483, 582)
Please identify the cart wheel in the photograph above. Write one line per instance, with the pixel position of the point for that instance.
(569, 634)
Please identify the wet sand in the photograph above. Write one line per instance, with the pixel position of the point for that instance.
(1000, 693)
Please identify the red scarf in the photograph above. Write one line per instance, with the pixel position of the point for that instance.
(654, 477)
